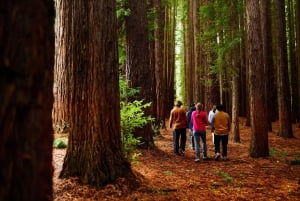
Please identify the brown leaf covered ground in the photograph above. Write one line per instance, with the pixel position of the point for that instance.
(165, 176)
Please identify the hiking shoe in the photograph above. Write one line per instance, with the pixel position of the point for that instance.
(197, 160)
(181, 152)
(225, 158)
(217, 156)
(205, 158)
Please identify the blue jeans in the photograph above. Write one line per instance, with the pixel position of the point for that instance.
(192, 143)
(218, 139)
(197, 136)
(179, 134)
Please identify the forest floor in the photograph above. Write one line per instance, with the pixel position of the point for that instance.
(165, 176)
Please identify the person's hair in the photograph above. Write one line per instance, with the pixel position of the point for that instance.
(199, 106)
(192, 105)
(178, 103)
(220, 107)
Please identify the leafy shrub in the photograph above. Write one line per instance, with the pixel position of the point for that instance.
(132, 117)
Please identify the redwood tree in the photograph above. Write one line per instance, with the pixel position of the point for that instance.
(138, 68)
(94, 152)
(283, 89)
(258, 110)
(61, 70)
(26, 78)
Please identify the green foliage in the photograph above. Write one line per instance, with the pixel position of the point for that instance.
(156, 127)
(132, 117)
(125, 91)
(122, 11)
(225, 176)
(60, 143)
(277, 153)
(168, 172)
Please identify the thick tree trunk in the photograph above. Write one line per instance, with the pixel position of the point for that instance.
(284, 104)
(26, 79)
(268, 60)
(138, 70)
(94, 152)
(259, 123)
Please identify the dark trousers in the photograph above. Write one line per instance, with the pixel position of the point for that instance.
(218, 139)
(179, 137)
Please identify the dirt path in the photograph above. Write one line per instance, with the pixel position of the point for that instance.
(166, 176)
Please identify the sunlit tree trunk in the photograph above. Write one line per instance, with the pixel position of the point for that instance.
(259, 123)
(169, 74)
(188, 54)
(26, 99)
(235, 61)
(138, 69)
(61, 72)
(94, 152)
(284, 104)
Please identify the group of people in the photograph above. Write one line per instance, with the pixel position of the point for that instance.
(196, 120)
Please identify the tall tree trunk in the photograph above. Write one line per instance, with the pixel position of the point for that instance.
(198, 94)
(138, 69)
(268, 59)
(259, 122)
(61, 72)
(159, 62)
(210, 88)
(171, 13)
(297, 20)
(26, 79)
(284, 104)
(188, 54)
(292, 59)
(94, 152)
(235, 57)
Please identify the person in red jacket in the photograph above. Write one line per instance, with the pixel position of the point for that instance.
(199, 118)
(178, 121)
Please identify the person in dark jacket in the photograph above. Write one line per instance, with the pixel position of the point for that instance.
(190, 123)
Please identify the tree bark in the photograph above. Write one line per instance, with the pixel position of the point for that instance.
(159, 62)
(61, 72)
(292, 59)
(94, 152)
(284, 104)
(259, 123)
(26, 79)
(268, 60)
(235, 58)
(138, 70)
(298, 54)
